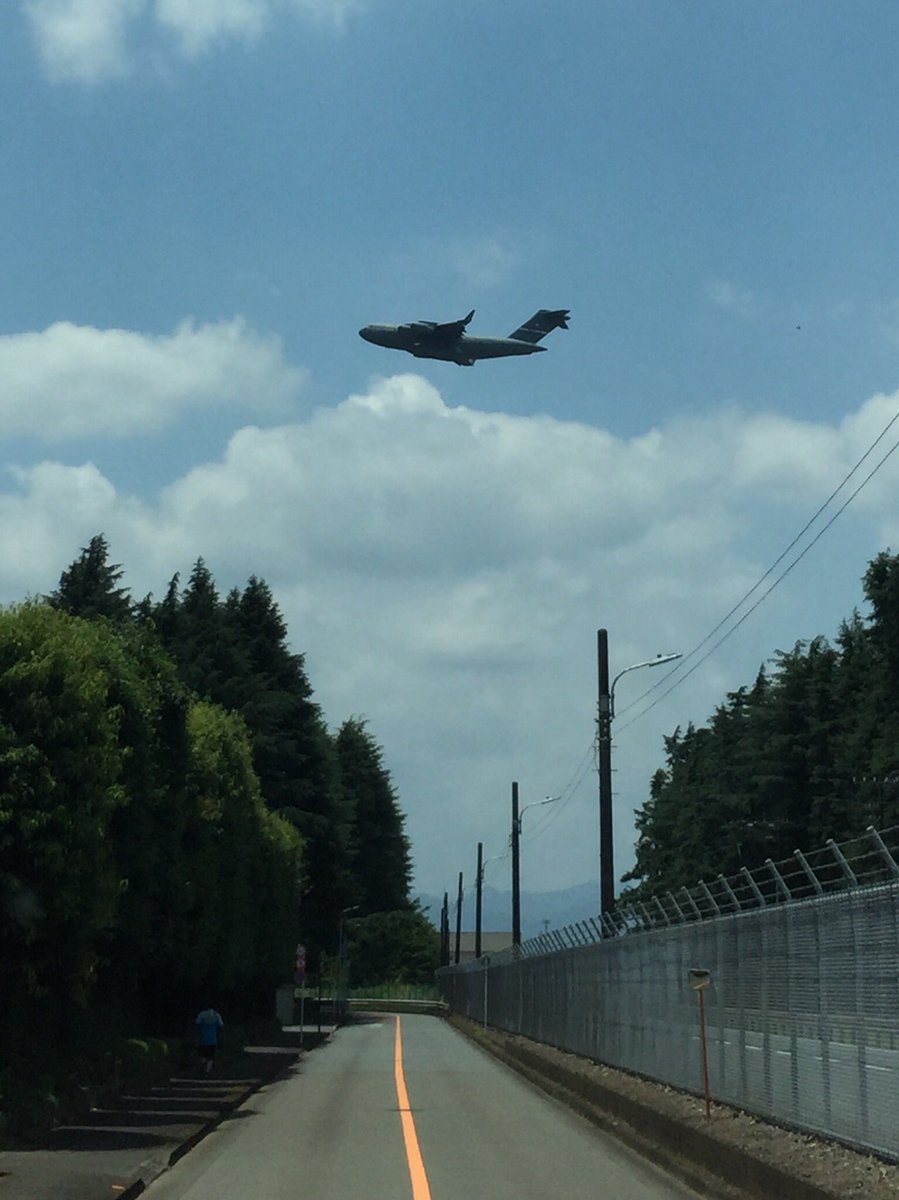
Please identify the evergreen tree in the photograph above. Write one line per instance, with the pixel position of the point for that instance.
(401, 947)
(235, 653)
(381, 862)
(89, 587)
(810, 753)
(196, 630)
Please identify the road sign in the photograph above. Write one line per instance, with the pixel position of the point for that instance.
(699, 979)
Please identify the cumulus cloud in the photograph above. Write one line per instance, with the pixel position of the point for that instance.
(74, 381)
(444, 569)
(198, 25)
(92, 41)
(793, 459)
(82, 40)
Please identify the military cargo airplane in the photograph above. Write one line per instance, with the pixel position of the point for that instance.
(450, 343)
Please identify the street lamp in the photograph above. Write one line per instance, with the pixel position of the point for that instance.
(341, 959)
(650, 662)
(606, 712)
(516, 839)
(479, 893)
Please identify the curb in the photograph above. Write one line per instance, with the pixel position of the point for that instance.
(139, 1186)
(213, 1122)
(134, 1190)
(694, 1156)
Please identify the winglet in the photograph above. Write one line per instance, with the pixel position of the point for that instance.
(465, 320)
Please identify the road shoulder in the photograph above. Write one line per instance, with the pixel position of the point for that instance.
(747, 1157)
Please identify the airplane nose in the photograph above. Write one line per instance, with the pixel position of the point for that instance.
(366, 333)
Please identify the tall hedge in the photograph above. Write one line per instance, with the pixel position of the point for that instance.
(140, 871)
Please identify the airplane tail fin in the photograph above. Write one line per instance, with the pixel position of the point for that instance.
(540, 324)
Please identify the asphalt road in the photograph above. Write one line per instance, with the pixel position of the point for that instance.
(420, 1116)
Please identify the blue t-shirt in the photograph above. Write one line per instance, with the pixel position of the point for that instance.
(209, 1023)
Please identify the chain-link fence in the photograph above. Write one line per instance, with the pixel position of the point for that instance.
(802, 1012)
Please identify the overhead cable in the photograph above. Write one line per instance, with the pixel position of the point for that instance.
(686, 675)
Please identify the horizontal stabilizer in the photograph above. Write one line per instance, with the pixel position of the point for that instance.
(540, 324)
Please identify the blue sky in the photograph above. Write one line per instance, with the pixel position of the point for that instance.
(203, 200)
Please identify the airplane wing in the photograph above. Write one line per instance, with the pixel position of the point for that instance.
(446, 331)
(540, 324)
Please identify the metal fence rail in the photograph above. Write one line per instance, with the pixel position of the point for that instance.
(803, 1008)
(838, 866)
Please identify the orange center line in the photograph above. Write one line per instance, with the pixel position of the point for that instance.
(417, 1173)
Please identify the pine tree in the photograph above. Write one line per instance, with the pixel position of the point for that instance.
(89, 587)
(235, 653)
(381, 862)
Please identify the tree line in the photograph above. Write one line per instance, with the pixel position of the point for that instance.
(174, 813)
(808, 751)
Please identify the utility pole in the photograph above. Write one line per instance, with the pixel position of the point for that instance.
(458, 920)
(444, 931)
(516, 893)
(605, 715)
(604, 754)
(478, 899)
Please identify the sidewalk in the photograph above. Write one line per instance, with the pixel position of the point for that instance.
(118, 1151)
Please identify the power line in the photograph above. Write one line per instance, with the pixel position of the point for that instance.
(777, 562)
(553, 811)
(585, 762)
(775, 583)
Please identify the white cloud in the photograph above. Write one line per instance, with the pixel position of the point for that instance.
(797, 460)
(198, 25)
(92, 41)
(445, 570)
(74, 381)
(82, 40)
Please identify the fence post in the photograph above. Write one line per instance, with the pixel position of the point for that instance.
(661, 908)
(696, 910)
(486, 962)
(731, 894)
(883, 851)
(706, 891)
(843, 861)
(608, 925)
(804, 863)
(779, 879)
(753, 886)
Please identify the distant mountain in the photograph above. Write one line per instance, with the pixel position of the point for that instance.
(558, 908)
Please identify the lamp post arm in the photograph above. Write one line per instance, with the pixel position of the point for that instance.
(650, 662)
(535, 804)
(495, 858)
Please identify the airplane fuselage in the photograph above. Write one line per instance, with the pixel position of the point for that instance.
(448, 341)
(463, 350)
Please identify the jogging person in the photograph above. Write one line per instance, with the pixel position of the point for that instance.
(208, 1023)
